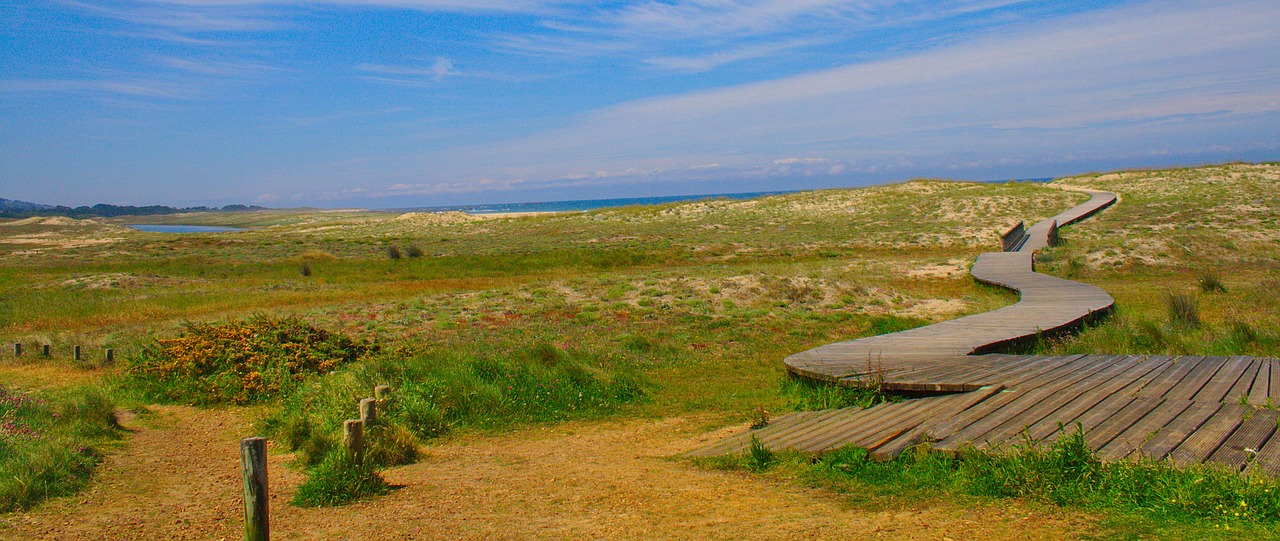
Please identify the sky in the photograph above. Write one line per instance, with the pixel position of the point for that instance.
(404, 103)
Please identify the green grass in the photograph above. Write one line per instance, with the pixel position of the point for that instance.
(645, 311)
(1138, 500)
(49, 445)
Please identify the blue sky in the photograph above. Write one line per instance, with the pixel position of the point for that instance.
(396, 103)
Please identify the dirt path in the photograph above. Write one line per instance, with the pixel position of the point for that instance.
(178, 478)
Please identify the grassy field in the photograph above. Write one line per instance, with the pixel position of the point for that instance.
(484, 324)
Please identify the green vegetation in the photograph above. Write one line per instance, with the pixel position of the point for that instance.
(1142, 498)
(237, 361)
(50, 445)
(1188, 254)
(486, 324)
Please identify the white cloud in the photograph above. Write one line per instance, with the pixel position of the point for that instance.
(1085, 85)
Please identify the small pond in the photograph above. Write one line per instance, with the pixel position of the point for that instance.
(185, 228)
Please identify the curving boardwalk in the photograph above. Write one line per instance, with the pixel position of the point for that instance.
(1190, 409)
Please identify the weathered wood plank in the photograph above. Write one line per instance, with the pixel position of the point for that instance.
(1261, 383)
(1173, 434)
(1143, 430)
(1209, 436)
(1240, 447)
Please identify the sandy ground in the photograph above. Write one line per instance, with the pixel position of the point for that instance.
(178, 478)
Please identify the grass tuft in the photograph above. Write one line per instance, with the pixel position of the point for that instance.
(338, 480)
(1184, 310)
(1210, 283)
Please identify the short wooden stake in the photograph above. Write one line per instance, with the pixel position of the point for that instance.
(353, 438)
(17, 349)
(369, 412)
(45, 349)
(75, 353)
(382, 392)
(110, 356)
(253, 460)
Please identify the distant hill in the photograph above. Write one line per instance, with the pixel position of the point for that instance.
(12, 208)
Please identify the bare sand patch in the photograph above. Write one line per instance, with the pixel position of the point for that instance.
(178, 478)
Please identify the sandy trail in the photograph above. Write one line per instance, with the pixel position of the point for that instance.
(178, 478)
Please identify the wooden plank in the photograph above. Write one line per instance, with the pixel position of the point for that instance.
(738, 442)
(1273, 390)
(1247, 440)
(818, 425)
(1128, 441)
(1261, 383)
(1222, 381)
(1195, 381)
(916, 436)
(1268, 459)
(1107, 378)
(1123, 420)
(1208, 437)
(1244, 386)
(1173, 434)
(972, 415)
(850, 432)
(1080, 406)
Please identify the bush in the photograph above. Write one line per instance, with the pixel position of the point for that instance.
(413, 251)
(393, 252)
(340, 479)
(238, 361)
(306, 269)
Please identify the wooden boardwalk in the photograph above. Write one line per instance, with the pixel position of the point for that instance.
(1189, 409)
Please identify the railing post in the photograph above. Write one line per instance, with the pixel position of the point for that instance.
(110, 356)
(75, 353)
(253, 460)
(45, 350)
(382, 392)
(368, 412)
(353, 438)
(17, 349)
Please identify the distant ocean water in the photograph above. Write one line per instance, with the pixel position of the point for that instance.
(185, 228)
(590, 204)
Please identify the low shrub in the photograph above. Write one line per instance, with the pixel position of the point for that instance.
(238, 361)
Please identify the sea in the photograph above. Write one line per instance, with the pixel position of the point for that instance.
(589, 204)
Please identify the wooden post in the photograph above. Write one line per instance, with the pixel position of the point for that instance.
(75, 353)
(17, 349)
(253, 460)
(353, 438)
(382, 392)
(110, 356)
(368, 412)
(45, 349)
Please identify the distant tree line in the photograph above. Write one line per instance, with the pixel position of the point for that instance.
(10, 208)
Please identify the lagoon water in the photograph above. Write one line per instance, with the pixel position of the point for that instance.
(185, 228)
